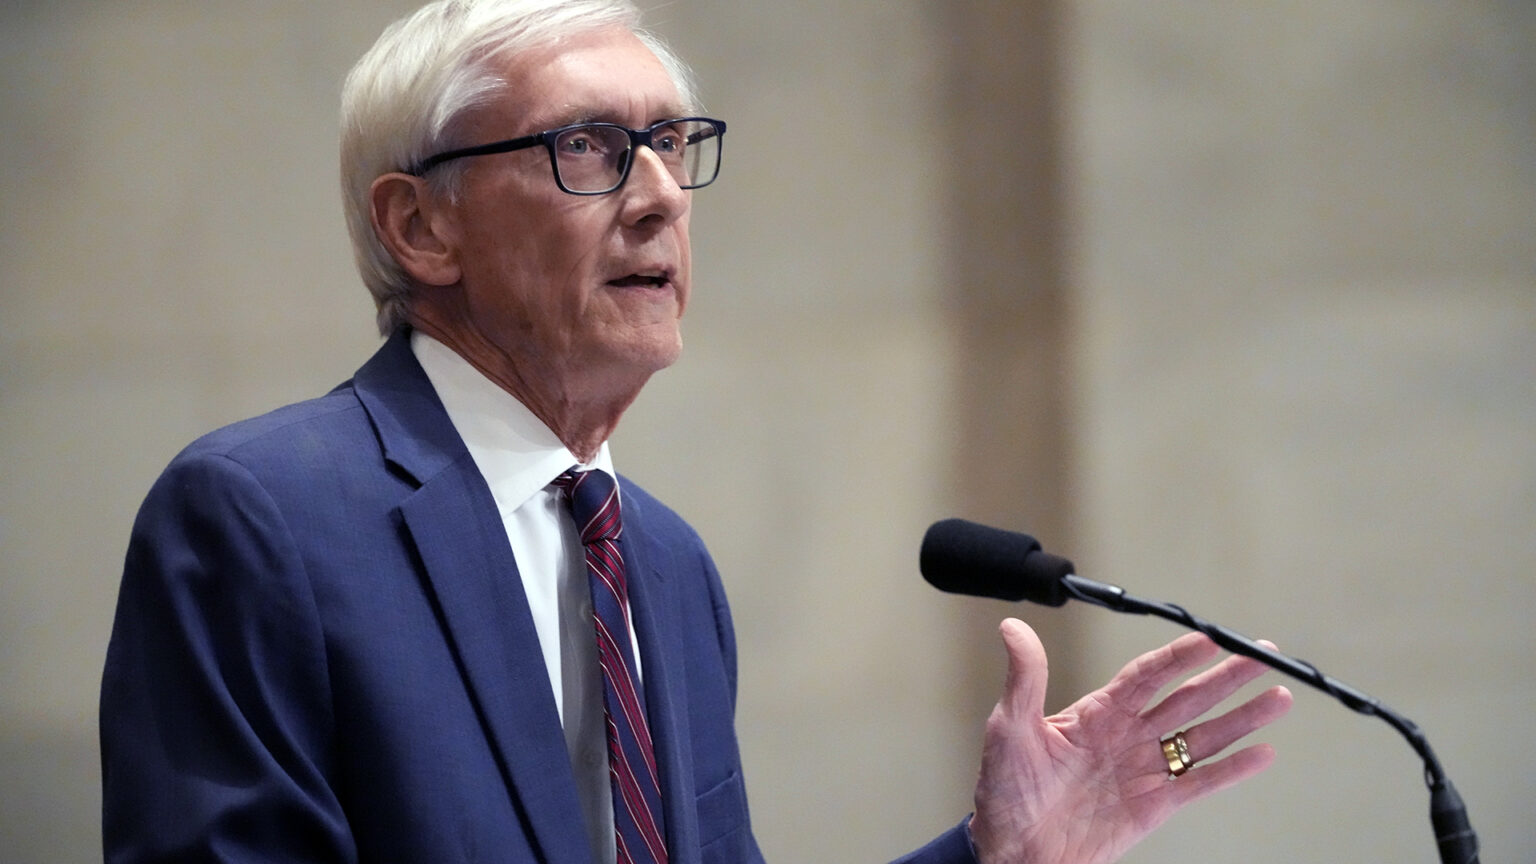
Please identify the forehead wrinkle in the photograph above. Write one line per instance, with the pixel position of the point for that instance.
(572, 114)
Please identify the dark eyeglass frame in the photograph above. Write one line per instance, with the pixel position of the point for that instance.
(637, 138)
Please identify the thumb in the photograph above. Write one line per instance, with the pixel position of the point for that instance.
(1024, 690)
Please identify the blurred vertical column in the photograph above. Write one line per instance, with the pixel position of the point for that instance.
(1009, 299)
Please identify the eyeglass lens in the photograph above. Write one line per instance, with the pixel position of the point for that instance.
(594, 158)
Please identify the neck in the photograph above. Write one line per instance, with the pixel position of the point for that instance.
(582, 410)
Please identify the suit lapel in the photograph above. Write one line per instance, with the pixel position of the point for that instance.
(652, 606)
(468, 567)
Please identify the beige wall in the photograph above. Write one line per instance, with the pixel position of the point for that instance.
(1305, 276)
(1297, 260)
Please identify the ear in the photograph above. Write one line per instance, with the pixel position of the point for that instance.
(407, 221)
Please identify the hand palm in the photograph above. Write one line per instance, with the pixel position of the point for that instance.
(1085, 785)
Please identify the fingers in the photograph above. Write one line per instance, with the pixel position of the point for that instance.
(1203, 692)
(1024, 690)
(1211, 737)
(1216, 776)
(1217, 734)
(1141, 679)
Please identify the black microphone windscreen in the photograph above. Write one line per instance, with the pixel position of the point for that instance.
(964, 557)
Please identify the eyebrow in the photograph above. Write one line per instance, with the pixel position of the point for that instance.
(574, 116)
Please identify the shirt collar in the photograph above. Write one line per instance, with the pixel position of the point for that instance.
(516, 453)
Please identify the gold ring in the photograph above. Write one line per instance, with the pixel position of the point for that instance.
(1176, 751)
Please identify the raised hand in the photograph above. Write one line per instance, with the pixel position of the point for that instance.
(1085, 785)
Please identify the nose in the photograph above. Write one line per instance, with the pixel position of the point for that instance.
(651, 193)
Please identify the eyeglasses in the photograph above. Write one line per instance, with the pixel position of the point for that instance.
(595, 158)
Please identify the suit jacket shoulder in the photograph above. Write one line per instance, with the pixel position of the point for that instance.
(322, 652)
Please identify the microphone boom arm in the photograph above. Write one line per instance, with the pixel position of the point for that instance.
(1448, 815)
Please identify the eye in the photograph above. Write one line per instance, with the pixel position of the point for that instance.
(668, 141)
(585, 141)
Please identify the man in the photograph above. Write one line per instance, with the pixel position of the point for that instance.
(394, 624)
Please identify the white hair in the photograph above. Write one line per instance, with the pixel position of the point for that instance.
(400, 102)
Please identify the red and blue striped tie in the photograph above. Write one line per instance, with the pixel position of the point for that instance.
(639, 829)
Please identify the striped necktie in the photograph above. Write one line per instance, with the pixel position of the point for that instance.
(639, 829)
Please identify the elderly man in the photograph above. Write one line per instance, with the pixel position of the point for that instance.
(416, 620)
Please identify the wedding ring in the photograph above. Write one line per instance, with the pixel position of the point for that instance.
(1176, 751)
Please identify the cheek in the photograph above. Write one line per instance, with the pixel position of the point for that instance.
(565, 249)
(538, 269)
(528, 233)
(685, 257)
(539, 272)
(683, 245)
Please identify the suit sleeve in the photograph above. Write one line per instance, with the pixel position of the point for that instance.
(216, 725)
(725, 803)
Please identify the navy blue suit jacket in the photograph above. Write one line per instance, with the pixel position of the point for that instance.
(323, 652)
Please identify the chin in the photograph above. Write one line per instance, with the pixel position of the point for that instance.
(665, 356)
(646, 355)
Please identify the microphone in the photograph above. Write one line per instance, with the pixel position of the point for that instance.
(964, 557)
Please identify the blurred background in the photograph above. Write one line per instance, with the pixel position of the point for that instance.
(1234, 304)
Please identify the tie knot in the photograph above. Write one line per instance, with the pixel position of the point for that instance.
(594, 501)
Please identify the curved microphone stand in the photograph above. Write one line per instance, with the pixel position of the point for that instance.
(1447, 813)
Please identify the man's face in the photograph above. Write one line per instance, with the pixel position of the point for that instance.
(583, 292)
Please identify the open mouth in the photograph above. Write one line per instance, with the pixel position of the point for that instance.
(641, 280)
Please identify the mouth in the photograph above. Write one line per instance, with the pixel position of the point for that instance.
(643, 279)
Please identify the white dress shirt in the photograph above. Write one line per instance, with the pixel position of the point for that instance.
(519, 457)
